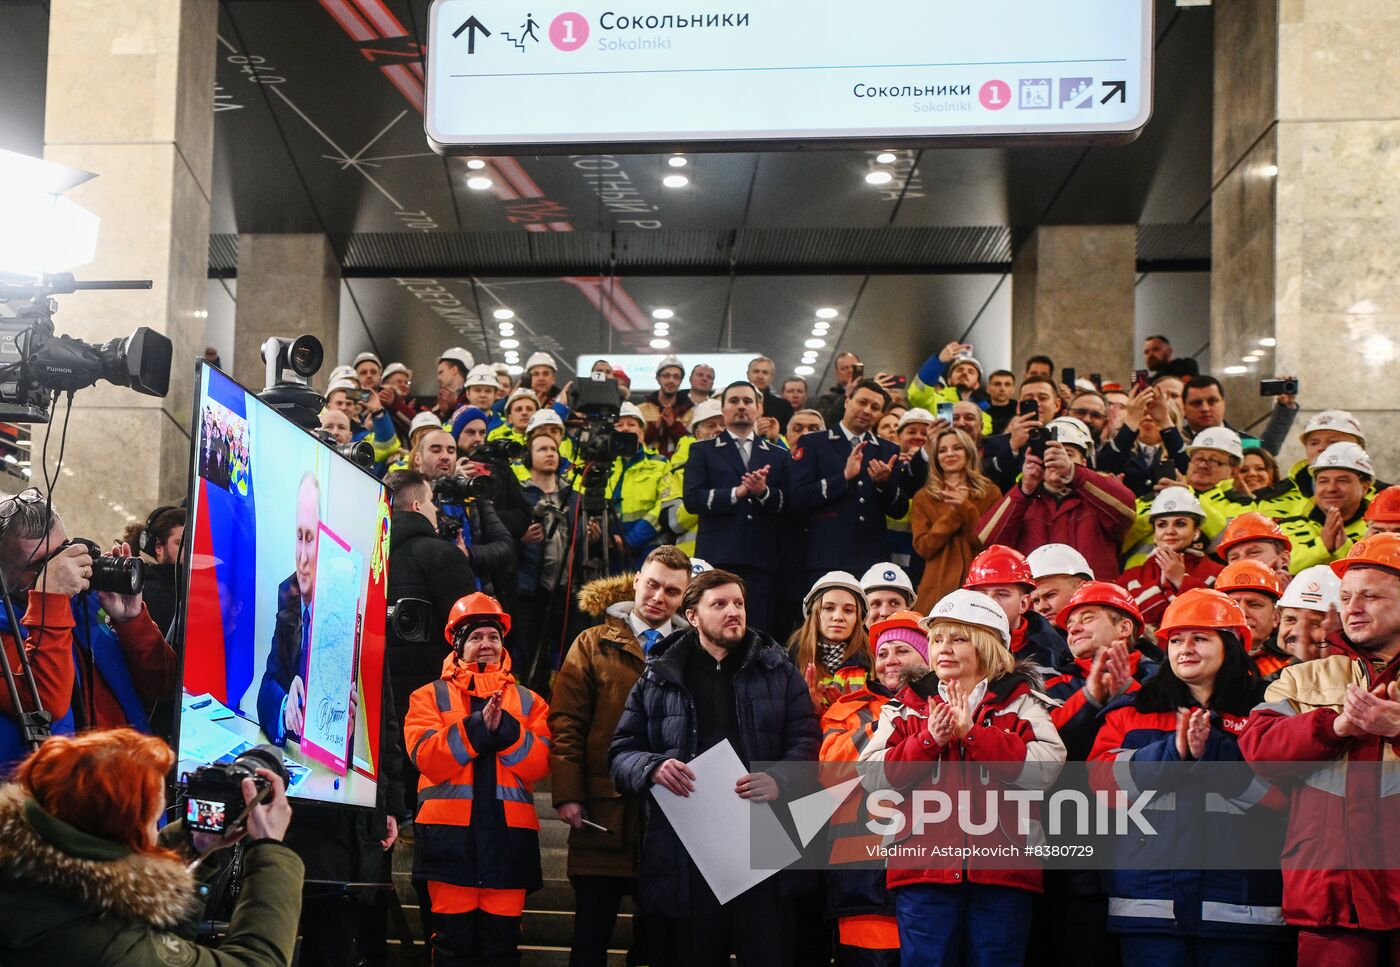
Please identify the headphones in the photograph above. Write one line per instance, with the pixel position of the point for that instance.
(526, 460)
(147, 544)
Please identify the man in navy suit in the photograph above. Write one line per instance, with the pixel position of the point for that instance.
(735, 483)
(844, 483)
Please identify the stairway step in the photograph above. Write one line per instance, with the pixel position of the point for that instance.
(532, 956)
(555, 928)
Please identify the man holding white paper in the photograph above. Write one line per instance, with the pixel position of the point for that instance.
(717, 682)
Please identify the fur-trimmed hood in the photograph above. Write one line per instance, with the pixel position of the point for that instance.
(595, 597)
(156, 890)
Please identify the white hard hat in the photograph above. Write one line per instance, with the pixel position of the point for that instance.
(970, 608)
(702, 411)
(699, 566)
(670, 361)
(544, 417)
(460, 356)
(500, 369)
(540, 359)
(1338, 420)
(1070, 430)
(1051, 559)
(631, 409)
(1176, 500)
(1344, 456)
(367, 357)
(965, 358)
(482, 375)
(1218, 438)
(395, 368)
(343, 372)
(917, 415)
(342, 383)
(887, 576)
(522, 393)
(424, 420)
(1314, 588)
(844, 580)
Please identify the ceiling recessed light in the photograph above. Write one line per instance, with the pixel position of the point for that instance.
(1269, 171)
(661, 328)
(815, 343)
(507, 331)
(478, 183)
(1235, 370)
(819, 330)
(475, 164)
(675, 181)
(879, 178)
(1268, 341)
(827, 313)
(678, 161)
(804, 370)
(662, 313)
(515, 370)
(886, 157)
(510, 343)
(504, 313)
(660, 343)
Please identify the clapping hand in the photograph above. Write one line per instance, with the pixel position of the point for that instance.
(754, 483)
(957, 705)
(1109, 675)
(1192, 731)
(1173, 565)
(853, 462)
(1376, 712)
(1334, 532)
(491, 714)
(880, 470)
(940, 724)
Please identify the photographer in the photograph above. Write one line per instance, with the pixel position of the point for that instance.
(163, 531)
(369, 420)
(112, 669)
(84, 881)
(462, 508)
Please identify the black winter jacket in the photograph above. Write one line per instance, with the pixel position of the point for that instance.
(659, 723)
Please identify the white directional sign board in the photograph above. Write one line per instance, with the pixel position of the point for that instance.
(561, 75)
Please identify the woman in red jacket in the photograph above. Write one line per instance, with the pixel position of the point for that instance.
(1178, 562)
(480, 742)
(978, 707)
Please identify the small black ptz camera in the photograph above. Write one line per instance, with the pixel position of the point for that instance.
(290, 364)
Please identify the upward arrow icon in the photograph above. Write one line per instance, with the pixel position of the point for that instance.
(471, 27)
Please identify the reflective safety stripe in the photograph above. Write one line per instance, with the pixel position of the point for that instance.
(520, 753)
(527, 699)
(443, 692)
(445, 790)
(1331, 778)
(1282, 708)
(458, 745)
(1123, 772)
(512, 794)
(1146, 909)
(421, 739)
(1239, 913)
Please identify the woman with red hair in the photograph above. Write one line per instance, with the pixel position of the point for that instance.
(84, 880)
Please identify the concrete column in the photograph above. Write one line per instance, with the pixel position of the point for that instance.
(129, 97)
(287, 285)
(1305, 215)
(1072, 298)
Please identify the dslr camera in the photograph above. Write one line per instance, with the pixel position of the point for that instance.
(214, 793)
(459, 488)
(119, 575)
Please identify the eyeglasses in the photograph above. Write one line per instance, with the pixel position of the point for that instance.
(1213, 462)
(29, 495)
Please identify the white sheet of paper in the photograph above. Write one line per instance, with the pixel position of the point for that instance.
(717, 827)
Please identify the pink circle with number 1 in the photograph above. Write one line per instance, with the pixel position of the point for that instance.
(568, 31)
(994, 95)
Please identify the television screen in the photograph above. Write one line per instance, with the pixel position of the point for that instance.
(284, 617)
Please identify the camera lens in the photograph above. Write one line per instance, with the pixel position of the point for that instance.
(305, 356)
(119, 575)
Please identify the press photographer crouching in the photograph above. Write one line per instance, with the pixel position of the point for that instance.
(85, 880)
(467, 512)
(98, 660)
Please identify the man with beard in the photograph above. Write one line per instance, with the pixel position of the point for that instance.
(1338, 717)
(688, 700)
(1308, 605)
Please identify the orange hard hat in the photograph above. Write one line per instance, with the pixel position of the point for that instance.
(999, 564)
(1378, 550)
(1208, 609)
(1104, 593)
(900, 619)
(1250, 575)
(1386, 507)
(1251, 526)
(475, 608)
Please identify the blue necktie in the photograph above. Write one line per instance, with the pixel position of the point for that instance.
(649, 639)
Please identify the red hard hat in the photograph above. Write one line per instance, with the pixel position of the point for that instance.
(1250, 575)
(1386, 507)
(1378, 550)
(1102, 593)
(1205, 608)
(1250, 526)
(473, 608)
(999, 564)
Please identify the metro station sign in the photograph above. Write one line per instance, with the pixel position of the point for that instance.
(522, 76)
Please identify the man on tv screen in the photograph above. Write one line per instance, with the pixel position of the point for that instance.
(282, 695)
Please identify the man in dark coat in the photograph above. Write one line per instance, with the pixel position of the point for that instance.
(719, 681)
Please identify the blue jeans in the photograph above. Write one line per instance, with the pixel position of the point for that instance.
(968, 923)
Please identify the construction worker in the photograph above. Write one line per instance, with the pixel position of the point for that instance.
(1323, 430)
(1257, 588)
(1313, 593)
(1002, 574)
(703, 423)
(1059, 571)
(1383, 514)
(1253, 536)
(887, 590)
(480, 742)
(521, 405)
(1334, 518)
(634, 491)
(1178, 561)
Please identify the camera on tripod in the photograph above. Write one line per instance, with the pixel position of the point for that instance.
(214, 793)
(599, 402)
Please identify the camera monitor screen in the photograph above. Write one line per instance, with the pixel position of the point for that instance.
(284, 618)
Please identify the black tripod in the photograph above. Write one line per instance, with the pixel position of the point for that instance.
(35, 725)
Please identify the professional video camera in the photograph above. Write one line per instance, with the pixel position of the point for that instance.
(360, 453)
(598, 401)
(34, 363)
(214, 793)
